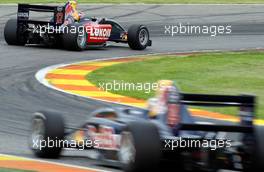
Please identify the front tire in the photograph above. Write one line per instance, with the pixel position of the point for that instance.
(138, 37)
(47, 128)
(75, 41)
(11, 34)
(140, 148)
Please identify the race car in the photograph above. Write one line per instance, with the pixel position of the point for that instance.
(164, 133)
(70, 30)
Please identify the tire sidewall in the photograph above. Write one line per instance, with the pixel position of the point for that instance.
(11, 35)
(70, 40)
(133, 37)
(259, 152)
(82, 45)
(146, 140)
(140, 29)
(53, 130)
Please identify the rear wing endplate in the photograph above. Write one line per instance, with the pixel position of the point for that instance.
(24, 13)
(246, 103)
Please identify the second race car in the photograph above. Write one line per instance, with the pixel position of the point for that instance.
(140, 140)
(69, 29)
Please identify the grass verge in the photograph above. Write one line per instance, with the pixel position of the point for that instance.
(216, 73)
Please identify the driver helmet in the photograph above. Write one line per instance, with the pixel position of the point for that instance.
(73, 4)
(158, 104)
(71, 10)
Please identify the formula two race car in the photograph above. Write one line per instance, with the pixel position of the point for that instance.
(64, 30)
(165, 133)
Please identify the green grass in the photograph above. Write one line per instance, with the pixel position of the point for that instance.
(143, 1)
(216, 73)
(12, 170)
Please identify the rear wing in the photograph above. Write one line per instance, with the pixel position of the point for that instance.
(218, 100)
(24, 13)
(245, 103)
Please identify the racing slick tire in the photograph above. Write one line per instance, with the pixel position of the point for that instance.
(75, 41)
(140, 148)
(11, 34)
(259, 134)
(47, 131)
(138, 37)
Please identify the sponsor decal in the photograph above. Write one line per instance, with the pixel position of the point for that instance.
(59, 9)
(24, 15)
(173, 115)
(173, 106)
(124, 36)
(105, 137)
(59, 18)
(79, 136)
(100, 32)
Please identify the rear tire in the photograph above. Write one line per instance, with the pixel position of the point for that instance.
(259, 151)
(12, 37)
(142, 142)
(138, 37)
(75, 41)
(46, 126)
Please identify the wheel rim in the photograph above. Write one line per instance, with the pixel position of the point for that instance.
(127, 150)
(38, 132)
(81, 39)
(143, 37)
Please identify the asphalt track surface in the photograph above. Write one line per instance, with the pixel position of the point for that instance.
(21, 94)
